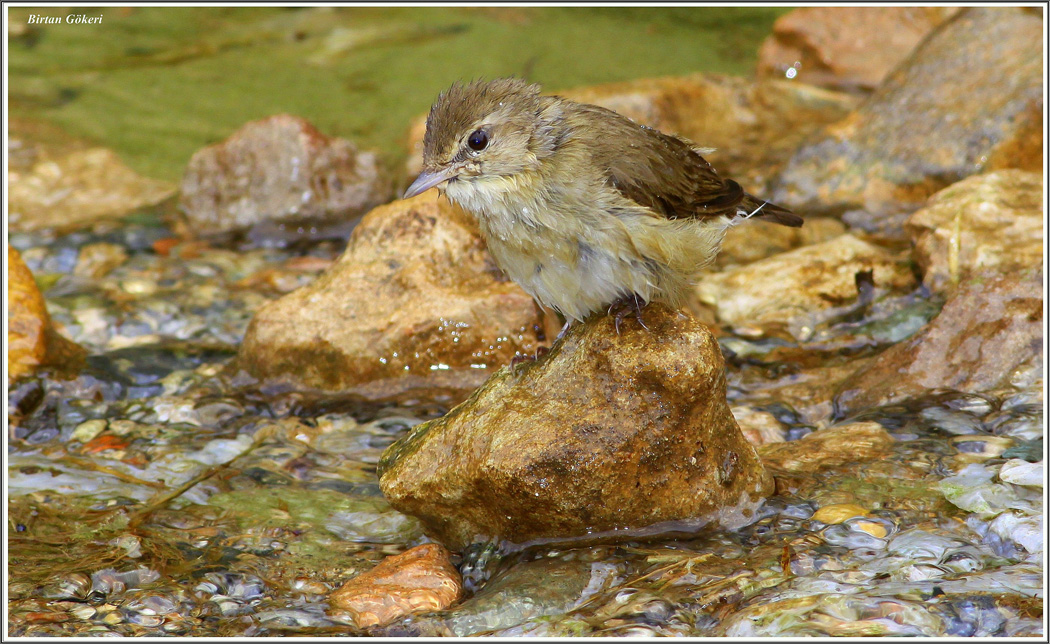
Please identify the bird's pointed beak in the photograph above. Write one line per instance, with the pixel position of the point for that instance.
(427, 179)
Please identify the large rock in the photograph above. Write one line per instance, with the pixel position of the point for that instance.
(278, 170)
(607, 435)
(792, 289)
(969, 99)
(846, 48)
(990, 327)
(753, 126)
(415, 301)
(31, 340)
(77, 189)
(990, 222)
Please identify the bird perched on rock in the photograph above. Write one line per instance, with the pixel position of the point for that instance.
(584, 208)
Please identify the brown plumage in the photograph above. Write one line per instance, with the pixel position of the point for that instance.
(578, 204)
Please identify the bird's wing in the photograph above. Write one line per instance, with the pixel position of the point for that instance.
(668, 176)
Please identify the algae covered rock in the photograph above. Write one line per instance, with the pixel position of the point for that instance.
(608, 434)
(415, 302)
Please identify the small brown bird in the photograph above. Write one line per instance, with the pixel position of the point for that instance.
(582, 207)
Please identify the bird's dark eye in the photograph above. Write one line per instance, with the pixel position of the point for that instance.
(478, 140)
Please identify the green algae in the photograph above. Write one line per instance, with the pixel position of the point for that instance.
(324, 512)
(157, 83)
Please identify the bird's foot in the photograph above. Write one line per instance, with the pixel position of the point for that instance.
(627, 304)
(540, 352)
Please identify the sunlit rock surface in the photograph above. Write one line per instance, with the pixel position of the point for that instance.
(793, 288)
(991, 222)
(759, 427)
(847, 50)
(279, 169)
(421, 579)
(756, 239)
(828, 448)
(969, 99)
(990, 327)
(415, 301)
(606, 433)
(76, 189)
(31, 339)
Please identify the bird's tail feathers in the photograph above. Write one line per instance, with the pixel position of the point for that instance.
(752, 207)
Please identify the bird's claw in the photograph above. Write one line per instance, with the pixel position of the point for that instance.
(519, 359)
(626, 305)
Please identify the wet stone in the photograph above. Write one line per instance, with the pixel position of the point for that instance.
(974, 91)
(96, 260)
(278, 169)
(561, 448)
(78, 189)
(31, 339)
(989, 327)
(414, 303)
(418, 580)
(987, 223)
(793, 289)
(833, 48)
(829, 448)
(525, 592)
(761, 239)
(759, 427)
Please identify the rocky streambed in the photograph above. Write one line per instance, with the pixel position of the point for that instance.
(228, 415)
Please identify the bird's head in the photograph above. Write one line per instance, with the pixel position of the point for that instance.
(483, 130)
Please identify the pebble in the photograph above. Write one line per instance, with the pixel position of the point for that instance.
(982, 446)
(876, 530)
(838, 513)
(83, 612)
(145, 620)
(1022, 473)
(420, 579)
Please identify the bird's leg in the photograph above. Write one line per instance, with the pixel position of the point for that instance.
(564, 329)
(540, 352)
(625, 305)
